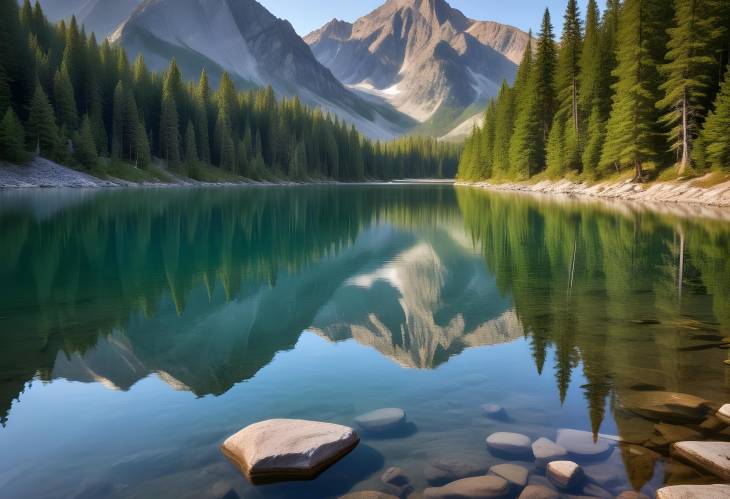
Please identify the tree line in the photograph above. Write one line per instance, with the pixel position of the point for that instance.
(75, 101)
(641, 87)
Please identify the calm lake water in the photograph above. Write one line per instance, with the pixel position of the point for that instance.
(140, 328)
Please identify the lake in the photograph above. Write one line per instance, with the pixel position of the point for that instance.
(140, 328)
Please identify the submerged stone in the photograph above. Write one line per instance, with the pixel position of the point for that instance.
(713, 457)
(495, 411)
(445, 470)
(675, 433)
(694, 492)
(513, 473)
(286, 449)
(545, 450)
(480, 487)
(381, 420)
(513, 444)
(667, 406)
(581, 444)
(396, 480)
(539, 492)
(723, 414)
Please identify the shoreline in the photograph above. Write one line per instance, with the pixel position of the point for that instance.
(687, 193)
(41, 173)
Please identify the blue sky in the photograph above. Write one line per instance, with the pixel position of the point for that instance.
(308, 15)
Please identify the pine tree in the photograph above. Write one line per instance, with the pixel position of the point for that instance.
(715, 138)
(63, 96)
(191, 151)
(169, 130)
(299, 162)
(690, 62)
(486, 148)
(202, 125)
(118, 115)
(555, 160)
(632, 135)
(504, 126)
(42, 134)
(527, 146)
(544, 76)
(5, 97)
(144, 157)
(84, 147)
(591, 92)
(12, 138)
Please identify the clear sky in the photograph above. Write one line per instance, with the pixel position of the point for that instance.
(308, 15)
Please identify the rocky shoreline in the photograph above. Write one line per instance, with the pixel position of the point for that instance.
(568, 465)
(687, 192)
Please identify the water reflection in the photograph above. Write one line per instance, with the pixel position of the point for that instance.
(203, 288)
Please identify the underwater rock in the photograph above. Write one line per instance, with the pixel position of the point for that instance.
(694, 492)
(286, 449)
(397, 481)
(723, 414)
(480, 487)
(580, 444)
(545, 450)
(442, 471)
(713, 457)
(564, 474)
(675, 433)
(539, 492)
(667, 406)
(381, 420)
(513, 473)
(512, 444)
(496, 412)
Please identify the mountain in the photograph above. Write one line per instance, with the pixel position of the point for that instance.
(424, 57)
(98, 16)
(255, 47)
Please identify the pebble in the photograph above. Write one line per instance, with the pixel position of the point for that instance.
(445, 470)
(480, 487)
(545, 450)
(513, 444)
(513, 473)
(495, 411)
(397, 482)
(381, 420)
(580, 444)
(724, 414)
(539, 492)
(564, 474)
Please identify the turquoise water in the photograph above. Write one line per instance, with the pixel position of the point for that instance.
(140, 328)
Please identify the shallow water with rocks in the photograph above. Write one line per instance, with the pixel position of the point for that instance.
(455, 329)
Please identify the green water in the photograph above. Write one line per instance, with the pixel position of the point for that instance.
(139, 328)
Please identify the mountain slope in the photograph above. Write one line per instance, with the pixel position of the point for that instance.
(245, 39)
(98, 16)
(425, 58)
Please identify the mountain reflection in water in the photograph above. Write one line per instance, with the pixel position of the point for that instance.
(203, 288)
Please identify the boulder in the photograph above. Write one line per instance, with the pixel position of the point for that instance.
(480, 487)
(397, 482)
(667, 406)
(445, 470)
(713, 457)
(564, 474)
(545, 450)
(713, 424)
(496, 412)
(539, 492)
(632, 494)
(512, 444)
(381, 420)
(515, 474)
(368, 494)
(675, 433)
(286, 449)
(694, 492)
(724, 414)
(581, 445)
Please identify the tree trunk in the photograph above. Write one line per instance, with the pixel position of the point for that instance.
(684, 162)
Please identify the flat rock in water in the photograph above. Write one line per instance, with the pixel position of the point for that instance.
(396, 480)
(513, 473)
(286, 449)
(539, 492)
(495, 411)
(713, 457)
(724, 414)
(381, 420)
(694, 492)
(368, 494)
(480, 487)
(667, 406)
(564, 474)
(545, 450)
(581, 445)
(513, 444)
(445, 470)
(675, 433)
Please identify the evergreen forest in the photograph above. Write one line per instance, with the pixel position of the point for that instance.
(71, 99)
(641, 89)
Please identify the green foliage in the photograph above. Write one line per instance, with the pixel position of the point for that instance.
(12, 138)
(42, 134)
(84, 146)
(715, 150)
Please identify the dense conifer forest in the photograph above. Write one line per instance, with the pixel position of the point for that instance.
(76, 101)
(641, 87)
